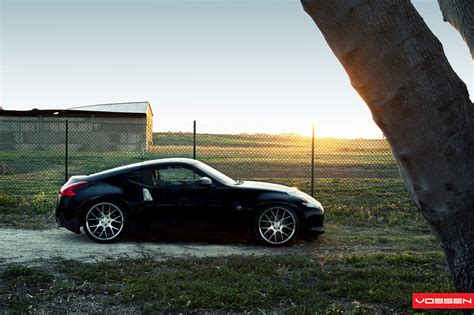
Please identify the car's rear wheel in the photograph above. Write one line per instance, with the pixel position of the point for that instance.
(104, 221)
(277, 226)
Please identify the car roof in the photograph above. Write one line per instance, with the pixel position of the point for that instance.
(170, 161)
(136, 166)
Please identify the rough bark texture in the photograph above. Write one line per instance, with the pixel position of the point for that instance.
(398, 67)
(459, 13)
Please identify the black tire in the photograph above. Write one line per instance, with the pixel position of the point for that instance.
(104, 221)
(277, 225)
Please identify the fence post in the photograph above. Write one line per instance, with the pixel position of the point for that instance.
(66, 152)
(194, 140)
(312, 162)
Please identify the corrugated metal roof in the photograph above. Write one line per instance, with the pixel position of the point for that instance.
(61, 113)
(132, 107)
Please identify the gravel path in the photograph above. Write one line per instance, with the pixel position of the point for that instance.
(20, 246)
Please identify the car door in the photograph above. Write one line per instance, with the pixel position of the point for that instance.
(179, 200)
(228, 209)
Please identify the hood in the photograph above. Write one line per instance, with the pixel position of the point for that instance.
(265, 186)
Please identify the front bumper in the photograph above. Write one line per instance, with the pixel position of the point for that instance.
(317, 230)
(312, 224)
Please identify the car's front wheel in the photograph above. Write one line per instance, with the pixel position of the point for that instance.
(277, 225)
(104, 221)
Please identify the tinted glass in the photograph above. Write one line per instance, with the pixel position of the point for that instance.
(224, 179)
(174, 176)
(135, 176)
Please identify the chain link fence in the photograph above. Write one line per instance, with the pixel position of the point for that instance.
(37, 157)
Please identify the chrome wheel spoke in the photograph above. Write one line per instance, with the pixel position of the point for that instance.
(281, 235)
(268, 230)
(274, 235)
(98, 211)
(95, 217)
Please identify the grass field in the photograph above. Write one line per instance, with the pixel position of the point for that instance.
(244, 156)
(357, 179)
(376, 252)
(240, 156)
(366, 283)
(355, 270)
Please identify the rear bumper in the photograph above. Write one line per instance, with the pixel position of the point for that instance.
(68, 214)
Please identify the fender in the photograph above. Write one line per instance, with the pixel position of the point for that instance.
(107, 191)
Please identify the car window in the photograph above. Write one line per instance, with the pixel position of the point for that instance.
(174, 176)
(134, 176)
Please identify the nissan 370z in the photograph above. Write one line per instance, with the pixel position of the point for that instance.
(181, 196)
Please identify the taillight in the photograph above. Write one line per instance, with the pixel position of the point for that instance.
(69, 189)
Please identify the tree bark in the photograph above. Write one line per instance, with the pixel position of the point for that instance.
(398, 67)
(459, 13)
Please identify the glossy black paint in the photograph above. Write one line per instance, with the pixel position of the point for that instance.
(186, 209)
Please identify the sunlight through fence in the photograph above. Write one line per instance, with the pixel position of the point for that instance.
(35, 157)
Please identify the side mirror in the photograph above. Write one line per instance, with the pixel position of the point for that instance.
(205, 181)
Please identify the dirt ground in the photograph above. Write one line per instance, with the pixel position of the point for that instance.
(33, 281)
(29, 246)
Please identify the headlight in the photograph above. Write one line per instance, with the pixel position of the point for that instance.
(307, 200)
(310, 205)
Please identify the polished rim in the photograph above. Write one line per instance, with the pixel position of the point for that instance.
(277, 225)
(104, 221)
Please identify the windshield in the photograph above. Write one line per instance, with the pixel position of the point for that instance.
(224, 179)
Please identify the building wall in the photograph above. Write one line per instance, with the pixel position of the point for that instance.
(126, 134)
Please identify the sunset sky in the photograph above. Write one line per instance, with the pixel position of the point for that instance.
(235, 66)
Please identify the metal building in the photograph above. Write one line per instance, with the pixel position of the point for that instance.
(125, 127)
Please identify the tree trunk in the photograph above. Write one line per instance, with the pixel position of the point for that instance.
(459, 13)
(398, 67)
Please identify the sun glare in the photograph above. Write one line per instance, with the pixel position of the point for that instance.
(323, 129)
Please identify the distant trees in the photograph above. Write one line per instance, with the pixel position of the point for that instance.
(399, 68)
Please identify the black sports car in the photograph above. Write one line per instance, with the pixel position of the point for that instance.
(181, 196)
